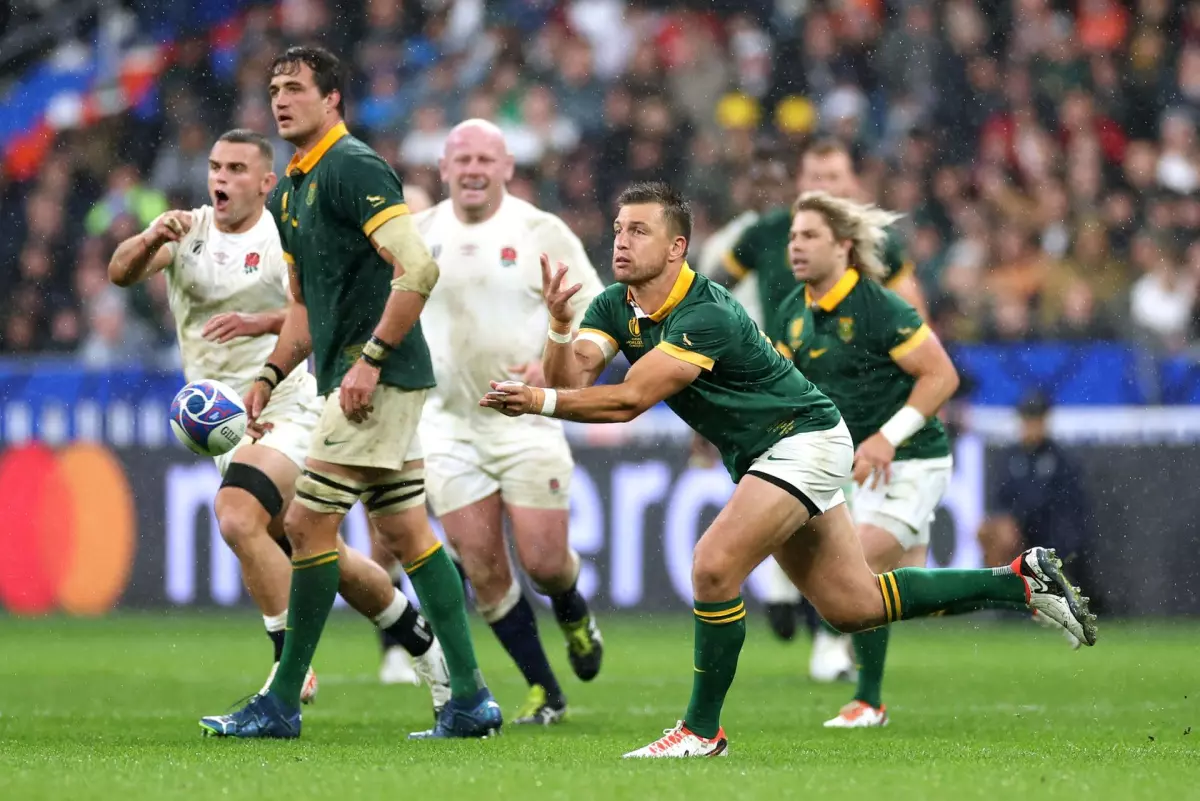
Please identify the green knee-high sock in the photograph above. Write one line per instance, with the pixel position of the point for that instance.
(919, 592)
(443, 604)
(314, 588)
(870, 652)
(967, 607)
(823, 623)
(720, 632)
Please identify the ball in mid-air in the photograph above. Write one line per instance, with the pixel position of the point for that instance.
(208, 417)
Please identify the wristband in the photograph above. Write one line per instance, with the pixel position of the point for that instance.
(902, 425)
(561, 339)
(376, 351)
(270, 375)
(549, 402)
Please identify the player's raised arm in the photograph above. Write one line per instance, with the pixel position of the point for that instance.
(144, 254)
(570, 362)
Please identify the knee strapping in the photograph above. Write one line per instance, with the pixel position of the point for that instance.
(394, 492)
(497, 611)
(327, 493)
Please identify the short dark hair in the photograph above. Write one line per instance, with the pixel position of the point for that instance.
(328, 72)
(244, 136)
(676, 210)
(828, 146)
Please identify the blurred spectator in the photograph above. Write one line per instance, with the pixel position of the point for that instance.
(1162, 298)
(1039, 496)
(115, 339)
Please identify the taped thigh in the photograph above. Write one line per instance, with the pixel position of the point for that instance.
(394, 492)
(328, 493)
(254, 481)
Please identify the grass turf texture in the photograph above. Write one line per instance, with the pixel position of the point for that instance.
(108, 709)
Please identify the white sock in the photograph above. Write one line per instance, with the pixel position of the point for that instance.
(396, 572)
(276, 622)
(393, 612)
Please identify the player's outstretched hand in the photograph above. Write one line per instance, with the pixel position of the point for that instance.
(255, 400)
(357, 388)
(557, 297)
(873, 460)
(172, 226)
(229, 325)
(512, 398)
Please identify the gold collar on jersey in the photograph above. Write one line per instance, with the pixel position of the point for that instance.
(683, 282)
(836, 294)
(300, 166)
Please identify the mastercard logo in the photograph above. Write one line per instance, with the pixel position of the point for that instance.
(67, 529)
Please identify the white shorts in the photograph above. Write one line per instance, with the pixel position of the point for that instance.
(387, 439)
(904, 507)
(532, 470)
(294, 413)
(812, 465)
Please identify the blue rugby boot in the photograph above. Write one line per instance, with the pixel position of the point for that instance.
(264, 716)
(480, 718)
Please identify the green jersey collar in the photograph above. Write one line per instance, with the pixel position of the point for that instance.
(683, 282)
(835, 295)
(305, 165)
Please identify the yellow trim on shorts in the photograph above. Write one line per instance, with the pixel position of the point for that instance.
(698, 359)
(912, 343)
(420, 561)
(390, 213)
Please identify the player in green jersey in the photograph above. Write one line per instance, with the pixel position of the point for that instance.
(782, 440)
(826, 165)
(360, 275)
(872, 354)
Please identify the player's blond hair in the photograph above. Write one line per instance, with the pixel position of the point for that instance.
(863, 224)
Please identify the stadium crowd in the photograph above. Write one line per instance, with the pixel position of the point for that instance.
(1045, 153)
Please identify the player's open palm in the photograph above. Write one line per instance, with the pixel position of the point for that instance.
(873, 461)
(557, 296)
(171, 226)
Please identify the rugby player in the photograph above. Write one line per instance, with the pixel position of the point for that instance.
(486, 320)
(782, 440)
(826, 165)
(227, 287)
(359, 276)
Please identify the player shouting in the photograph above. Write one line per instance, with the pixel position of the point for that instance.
(359, 278)
(227, 288)
(784, 443)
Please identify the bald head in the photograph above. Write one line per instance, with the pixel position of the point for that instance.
(475, 166)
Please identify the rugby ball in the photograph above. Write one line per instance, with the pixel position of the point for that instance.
(208, 417)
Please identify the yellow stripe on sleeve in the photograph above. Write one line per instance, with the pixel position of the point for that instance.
(733, 266)
(910, 344)
(390, 213)
(698, 359)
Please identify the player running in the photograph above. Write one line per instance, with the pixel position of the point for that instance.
(762, 250)
(486, 320)
(872, 355)
(783, 442)
(227, 288)
(359, 279)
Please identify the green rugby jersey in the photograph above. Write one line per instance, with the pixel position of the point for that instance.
(747, 397)
(762, 249)
(326, 207)
(847, 345)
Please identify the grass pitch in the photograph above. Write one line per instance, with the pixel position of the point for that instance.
(108, 709)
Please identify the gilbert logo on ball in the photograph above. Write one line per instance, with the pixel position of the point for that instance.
(208, 417)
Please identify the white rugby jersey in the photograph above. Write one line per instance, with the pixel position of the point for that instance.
(213, 272)
(486, 313)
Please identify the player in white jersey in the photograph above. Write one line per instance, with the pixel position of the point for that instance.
(228, 288)
(486, 321)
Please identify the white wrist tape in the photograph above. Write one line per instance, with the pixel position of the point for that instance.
(549, 403)
(561, 339)
(902, 425)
